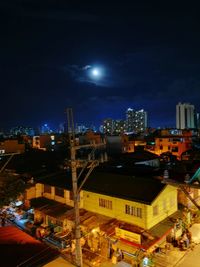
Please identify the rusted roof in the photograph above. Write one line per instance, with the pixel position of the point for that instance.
(50, 207)
(18, 248)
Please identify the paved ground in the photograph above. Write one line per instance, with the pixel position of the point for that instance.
(195, 231)
(119, 264)
(169, 259)
(191, 258)
(59, 262)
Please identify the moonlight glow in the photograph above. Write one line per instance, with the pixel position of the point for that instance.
(96, 73)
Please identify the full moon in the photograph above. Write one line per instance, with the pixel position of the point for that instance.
(96, 72)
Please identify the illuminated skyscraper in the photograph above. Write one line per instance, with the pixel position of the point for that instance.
(136, 121)
(114, 127)
(185, 116)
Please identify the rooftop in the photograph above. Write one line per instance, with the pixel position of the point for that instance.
(113, 182)
(26, 251)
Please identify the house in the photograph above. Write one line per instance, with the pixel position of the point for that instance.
(176, 142)
(134, 204)
(142, 201)
(11, 146)
(132, 143)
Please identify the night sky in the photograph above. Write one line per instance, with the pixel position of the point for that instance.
(149, 54)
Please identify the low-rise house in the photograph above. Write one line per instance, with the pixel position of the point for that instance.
(131, 142)
(11, 146)
(176, 142)
(142, 201)
(137, 203)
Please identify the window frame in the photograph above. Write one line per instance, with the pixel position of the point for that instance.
(133, 211)
(47, 189)
(155, 210)
(58, 191)
(105, 203)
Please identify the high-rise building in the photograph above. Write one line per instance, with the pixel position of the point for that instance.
(197, 120)
(108, 126)
(119, 126)
(114, 127)
(185, 116)
(136, 121)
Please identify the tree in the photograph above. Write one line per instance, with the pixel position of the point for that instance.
(11, 187)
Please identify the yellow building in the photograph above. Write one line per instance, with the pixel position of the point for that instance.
(141, 201)
(130, 210)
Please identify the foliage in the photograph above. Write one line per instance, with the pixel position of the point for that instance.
(11, 187)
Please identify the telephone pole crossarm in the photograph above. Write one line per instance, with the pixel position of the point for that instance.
(93, 164)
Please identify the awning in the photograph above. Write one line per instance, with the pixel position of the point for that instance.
(50, 207)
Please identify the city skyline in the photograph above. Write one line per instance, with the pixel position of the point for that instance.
(148, 56)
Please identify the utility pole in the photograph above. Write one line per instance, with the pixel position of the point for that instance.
(76, 190)
(71, 132)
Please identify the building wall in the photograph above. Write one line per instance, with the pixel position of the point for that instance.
(65, 200)
(148, 220)
(136, 121)
(91, 203)
(130, 144)
(173, 144)
(30, 193)
(90, 137)
(114, 144)
(185, 116)
(12, 146)
(166, 203)
(39, 190)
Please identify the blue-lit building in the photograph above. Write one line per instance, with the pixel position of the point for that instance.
(22, 130)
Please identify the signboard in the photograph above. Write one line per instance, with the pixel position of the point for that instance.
(127, 235)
